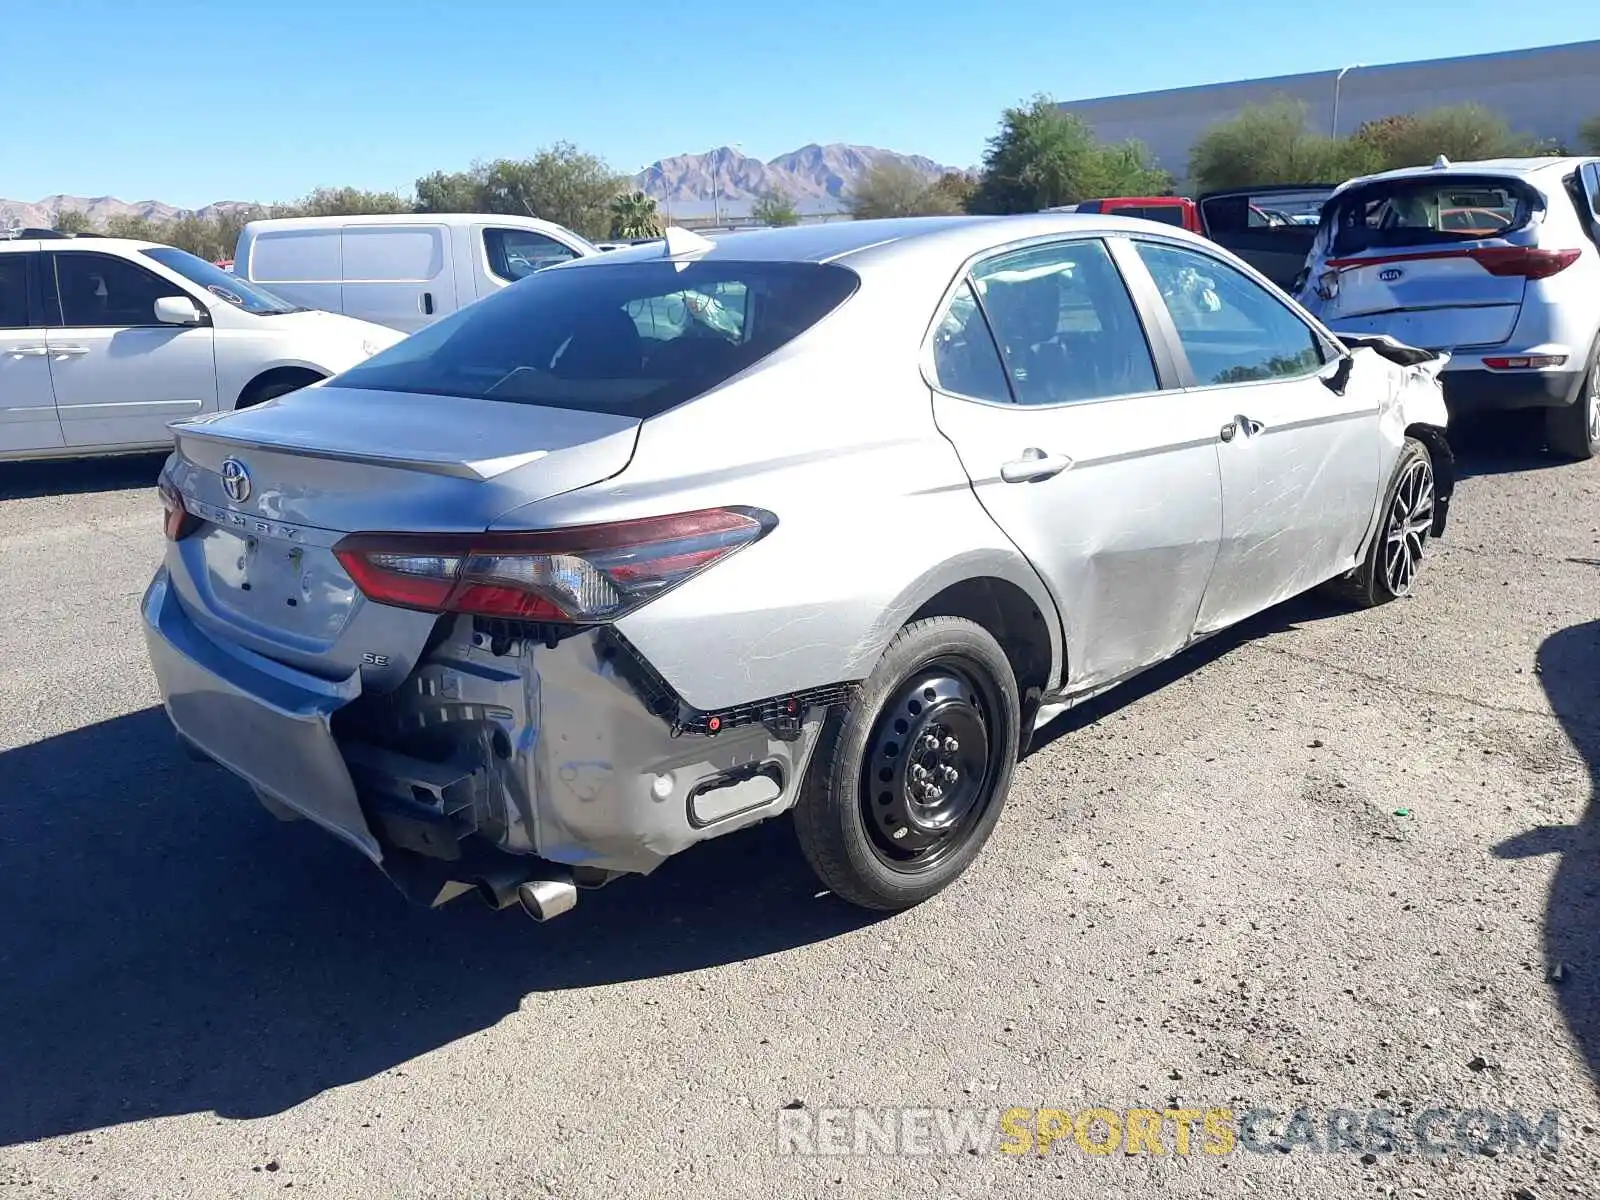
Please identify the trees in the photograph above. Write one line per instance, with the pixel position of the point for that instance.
(1589, 135)
(560, 183)
(1462, 133)
(344, 202)
(1269, 143)
(775, 208)
(958, 186)
(1042, 157)
(893, 189)
(73, 220)
(633, 215)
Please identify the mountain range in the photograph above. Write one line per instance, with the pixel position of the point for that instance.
(816, 178)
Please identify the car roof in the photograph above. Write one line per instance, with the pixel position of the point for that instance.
(92, 245)
(860, 243)
(1531, 169)
(413, 218)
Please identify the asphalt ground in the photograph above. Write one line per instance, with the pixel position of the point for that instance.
(1330, 863)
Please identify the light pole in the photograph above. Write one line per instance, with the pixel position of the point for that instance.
(1337, 80)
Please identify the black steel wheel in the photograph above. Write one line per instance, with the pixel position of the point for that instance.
(908, 781)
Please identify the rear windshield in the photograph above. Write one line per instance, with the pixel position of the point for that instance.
(628, 338)
(1424, 212)
(1167, 214)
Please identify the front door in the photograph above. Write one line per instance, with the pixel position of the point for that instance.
(1104, 476)
(27, 404)
(121, 376)
(1300, 460)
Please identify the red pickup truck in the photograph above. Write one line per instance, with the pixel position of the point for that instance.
(1271, 228)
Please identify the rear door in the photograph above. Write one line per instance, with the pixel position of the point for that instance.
(401, 276)
(119, 375)
(27, 403)
(1081, 449)
(1260, 227)
(1430, 261)
(1300, 462)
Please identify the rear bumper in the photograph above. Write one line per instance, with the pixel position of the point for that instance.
(268, 724)
(554, 753)
(1469, 390)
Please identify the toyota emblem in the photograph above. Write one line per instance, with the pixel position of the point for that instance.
(235, 480)
(1390, 274)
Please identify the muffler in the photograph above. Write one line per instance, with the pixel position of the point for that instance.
(543, 899)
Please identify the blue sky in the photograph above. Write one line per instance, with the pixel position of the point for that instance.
(264, 101)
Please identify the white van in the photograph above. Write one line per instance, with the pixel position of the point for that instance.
(403, 270)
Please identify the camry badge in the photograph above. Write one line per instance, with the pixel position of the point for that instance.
(235, 480)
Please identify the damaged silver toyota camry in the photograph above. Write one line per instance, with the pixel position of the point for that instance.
(819, 522)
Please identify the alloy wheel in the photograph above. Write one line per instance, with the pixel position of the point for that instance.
(1409, 523)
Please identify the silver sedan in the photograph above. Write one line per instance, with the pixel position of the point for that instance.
(823, 521)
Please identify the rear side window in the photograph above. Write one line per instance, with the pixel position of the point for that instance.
(517, 253)
(1424, 211)
(628, 338)
(966, 361)
(1067, 328)
(13, 291)
(295, 256)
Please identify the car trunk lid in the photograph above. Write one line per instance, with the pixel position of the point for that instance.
(273, 489)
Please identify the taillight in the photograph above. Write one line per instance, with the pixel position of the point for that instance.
(1524, 362)
(1528, 261)
(582, 574)
(176, 520)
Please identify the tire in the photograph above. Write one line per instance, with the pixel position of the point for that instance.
(1573, 430)
(945, 679)
(271, 390)
(1395, 556)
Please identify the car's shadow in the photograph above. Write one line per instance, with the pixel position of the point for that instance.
(68, 477)
(1502, 444)
(166, 947)
(1569, 669)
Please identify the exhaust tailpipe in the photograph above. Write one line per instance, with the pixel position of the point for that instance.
(543, 899)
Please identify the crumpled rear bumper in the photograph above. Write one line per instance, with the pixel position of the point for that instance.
(265, 722)
(558, 752)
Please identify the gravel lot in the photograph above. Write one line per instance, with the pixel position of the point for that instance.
(1201, 890)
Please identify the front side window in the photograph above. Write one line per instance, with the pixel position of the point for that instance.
(99, 290)
(966, 361)
(13, 291)
(225, 286)
(588, 338)
(1066, 325)
(517, 253)
(1232, 328)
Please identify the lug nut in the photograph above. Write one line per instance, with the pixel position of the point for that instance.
(930, 743)
(919, 772)
(951, 745)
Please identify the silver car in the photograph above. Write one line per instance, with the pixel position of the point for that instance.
(662, 543)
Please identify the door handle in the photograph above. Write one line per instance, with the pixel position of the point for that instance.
(66, 351)
(28, 351)
(1034, 465)
(427, 303)
(1249, 425)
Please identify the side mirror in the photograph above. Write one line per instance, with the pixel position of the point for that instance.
(178, 310)
(1337, 379)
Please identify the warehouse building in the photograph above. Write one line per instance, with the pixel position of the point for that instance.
(1547, 92)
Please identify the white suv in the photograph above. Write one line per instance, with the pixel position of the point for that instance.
(1496, 262)
(103, 342)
